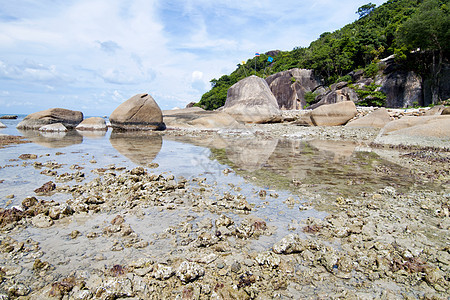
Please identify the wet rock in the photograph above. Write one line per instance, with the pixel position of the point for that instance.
(67, 118)
(290, 244)
(189, 271)
(42, 221)
(268, 258)
(46, 188)
(28, 156)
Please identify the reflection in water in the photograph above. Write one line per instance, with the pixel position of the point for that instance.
(250, 154)
(53, 139)
(92, 134)
(140, 147)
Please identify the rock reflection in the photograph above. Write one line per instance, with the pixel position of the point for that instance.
(92, 134)
(53, 139)
(250, 154)
(140, 147)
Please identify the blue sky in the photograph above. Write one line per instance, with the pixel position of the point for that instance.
(91, 55)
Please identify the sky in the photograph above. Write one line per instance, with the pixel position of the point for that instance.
(92, 55)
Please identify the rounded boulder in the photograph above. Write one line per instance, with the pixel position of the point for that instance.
(140, 112)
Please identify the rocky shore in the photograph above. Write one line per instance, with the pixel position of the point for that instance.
(201, 242)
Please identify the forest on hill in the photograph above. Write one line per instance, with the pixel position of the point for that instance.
(416, 31)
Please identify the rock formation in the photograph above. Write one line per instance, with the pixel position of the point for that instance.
(333, 114)
(251, 101)
(140, 112)
(196, 117)
(68, 118)
(94, 123)
(377, 119)
(289, 87)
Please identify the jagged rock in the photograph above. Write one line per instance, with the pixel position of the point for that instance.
(289, 244)
(268, 258)
(94, 123)
(251, 101)
(333, 114)
(189, 271)
(57, 127)
(338, 93)
(68, 118)
(140, 112)
(289, 87)
(42, 221)
(377, 119)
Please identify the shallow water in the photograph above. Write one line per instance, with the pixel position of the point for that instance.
(283, 168)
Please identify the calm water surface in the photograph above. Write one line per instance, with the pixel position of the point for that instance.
(279, 166)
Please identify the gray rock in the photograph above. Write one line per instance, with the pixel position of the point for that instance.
(68, 118)
(402, 88)
(163, 272)
(268, 258)
(195, 117)
(251, 101)
(140, 112)
(289, 87)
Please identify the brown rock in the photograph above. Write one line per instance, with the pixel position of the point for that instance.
(428, 126)
(140, 112)
(377, 119)
(196, 117)
(46, 188)
(94, 123)
(446, 111)
(333, 114)
(251, 101)
(68, 118)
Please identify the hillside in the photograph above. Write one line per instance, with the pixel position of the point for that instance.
(417, 32)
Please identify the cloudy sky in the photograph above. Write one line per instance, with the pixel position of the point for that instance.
(91, 55)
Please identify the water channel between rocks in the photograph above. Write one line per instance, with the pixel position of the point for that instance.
(278, 177)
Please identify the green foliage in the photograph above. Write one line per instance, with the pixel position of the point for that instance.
(293, 79)
(369, 95)
(397, 26)
(310, 98)
(346, 78)
(371, 70)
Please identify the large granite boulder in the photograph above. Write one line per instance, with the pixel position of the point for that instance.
(140, 112)
(198, 118)
(289, 87)
(333, 114)
(94, 123)
(251, 101)
(69, 118)
(377, 119)
(425, 131)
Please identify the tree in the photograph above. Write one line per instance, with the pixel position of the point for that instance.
(365, 9)
(428, 30)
